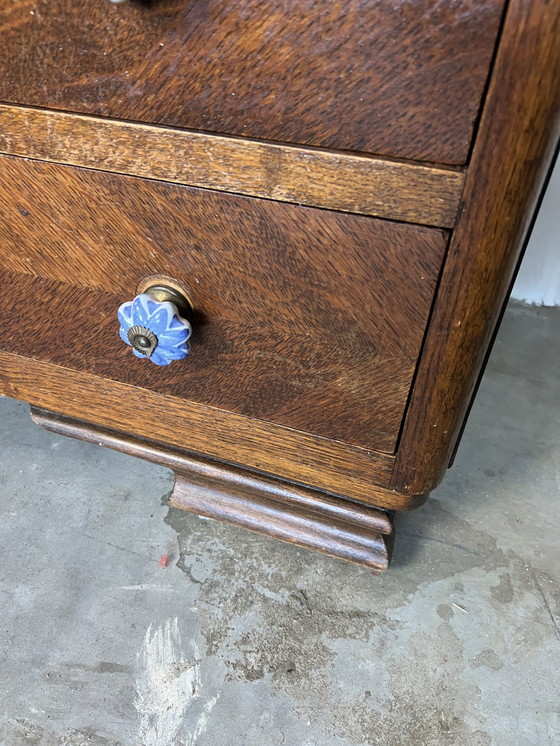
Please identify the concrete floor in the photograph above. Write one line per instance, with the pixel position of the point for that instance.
(239, 640)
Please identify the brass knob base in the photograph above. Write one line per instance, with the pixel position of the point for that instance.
(166, 289)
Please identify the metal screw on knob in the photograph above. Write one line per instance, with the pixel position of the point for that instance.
(143, 340)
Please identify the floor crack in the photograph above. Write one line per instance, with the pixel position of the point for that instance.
(547, 605)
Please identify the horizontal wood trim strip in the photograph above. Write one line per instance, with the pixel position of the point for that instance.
(265, 447)
(397, 190)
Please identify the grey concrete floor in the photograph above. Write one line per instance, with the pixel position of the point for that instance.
(125, 622)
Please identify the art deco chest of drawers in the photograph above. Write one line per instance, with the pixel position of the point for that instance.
(267, 244)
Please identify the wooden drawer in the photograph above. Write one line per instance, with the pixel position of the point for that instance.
(306, 318)
(403, 79)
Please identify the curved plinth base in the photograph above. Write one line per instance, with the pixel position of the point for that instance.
(258, 502)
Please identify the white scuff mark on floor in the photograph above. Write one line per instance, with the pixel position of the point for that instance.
(148, 587)
(168, 690)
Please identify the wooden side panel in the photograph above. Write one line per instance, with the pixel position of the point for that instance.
(305, 318)
(389, 77)
(518, 134)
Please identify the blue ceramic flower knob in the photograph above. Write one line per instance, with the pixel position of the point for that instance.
(154, 328)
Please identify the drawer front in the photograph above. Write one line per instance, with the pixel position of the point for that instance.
(306, 318)
(402, 79)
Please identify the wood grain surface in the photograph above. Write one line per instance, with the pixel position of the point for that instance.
(394, 78)
(267, 506)
(306, 318)
(519, 131)
(302, 458)
(410, 192)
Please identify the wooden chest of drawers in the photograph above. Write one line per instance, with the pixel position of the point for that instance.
(339, 191)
